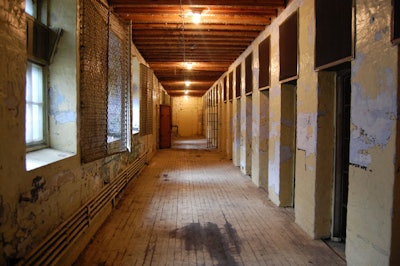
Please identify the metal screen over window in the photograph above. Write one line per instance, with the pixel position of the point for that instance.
(118, 85)
(146, 100)
(93, 89)
(104, 81)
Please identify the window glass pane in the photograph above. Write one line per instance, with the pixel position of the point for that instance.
(34, 120)
(30, 7)
(135, 96)
(114, 116)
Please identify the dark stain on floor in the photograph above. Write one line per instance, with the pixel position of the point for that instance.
(220, 243)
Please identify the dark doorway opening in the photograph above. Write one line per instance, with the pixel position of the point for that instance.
(341, 182)
(165, 126)
(288, 142)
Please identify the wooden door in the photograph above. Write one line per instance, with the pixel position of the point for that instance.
(165, 126)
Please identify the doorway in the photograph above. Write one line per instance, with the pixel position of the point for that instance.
(288, 143)
(341, 181)
(165, 126)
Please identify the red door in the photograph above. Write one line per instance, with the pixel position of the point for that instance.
(165, 126)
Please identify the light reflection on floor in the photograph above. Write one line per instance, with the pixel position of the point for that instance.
(189, 143)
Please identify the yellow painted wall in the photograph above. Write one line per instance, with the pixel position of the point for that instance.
(187, 114)
(373, 131)
(33, 203)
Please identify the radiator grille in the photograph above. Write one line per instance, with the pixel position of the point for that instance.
(66, 235)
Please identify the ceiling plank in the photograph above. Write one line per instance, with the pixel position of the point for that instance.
(206, 19)
(165, 35)
(265, 3)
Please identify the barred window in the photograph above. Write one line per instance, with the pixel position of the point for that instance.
(146, 100)
(104, 98)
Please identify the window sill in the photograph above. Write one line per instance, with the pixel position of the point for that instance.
(44, 157)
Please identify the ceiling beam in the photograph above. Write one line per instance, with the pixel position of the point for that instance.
(206, 19)
(198, 27)
(264, 3)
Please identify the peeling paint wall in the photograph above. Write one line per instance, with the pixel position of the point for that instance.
(260, 123)
(246, 133)
(33, 203)
(307, 127)
(373, 131)
(236, 126)
(63, 96)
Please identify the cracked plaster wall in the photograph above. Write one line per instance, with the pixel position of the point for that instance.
(33, 203)
(373, 125)
(373, 133)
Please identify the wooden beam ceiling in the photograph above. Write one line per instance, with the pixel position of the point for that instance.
(166, 35)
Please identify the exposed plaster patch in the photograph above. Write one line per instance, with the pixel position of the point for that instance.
(357, 63)
(275, 126)
(306, 132)
(372, 118)
(60, 108)
(64, 178)
(273, 177)
(64, 117)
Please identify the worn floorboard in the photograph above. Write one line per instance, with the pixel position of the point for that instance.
(192, 207)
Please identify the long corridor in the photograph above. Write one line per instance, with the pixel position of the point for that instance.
(193, 207)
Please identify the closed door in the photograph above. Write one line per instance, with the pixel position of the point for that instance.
(165, 126)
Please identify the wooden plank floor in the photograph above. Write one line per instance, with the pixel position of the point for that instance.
(192, 207)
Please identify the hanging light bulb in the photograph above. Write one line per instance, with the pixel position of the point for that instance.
(187, 83)
(189, 65)
(196, 17)
(186, 92)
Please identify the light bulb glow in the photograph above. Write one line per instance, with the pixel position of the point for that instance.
(186, 92)
(196, 18)
(189, 65)
(187, 83)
